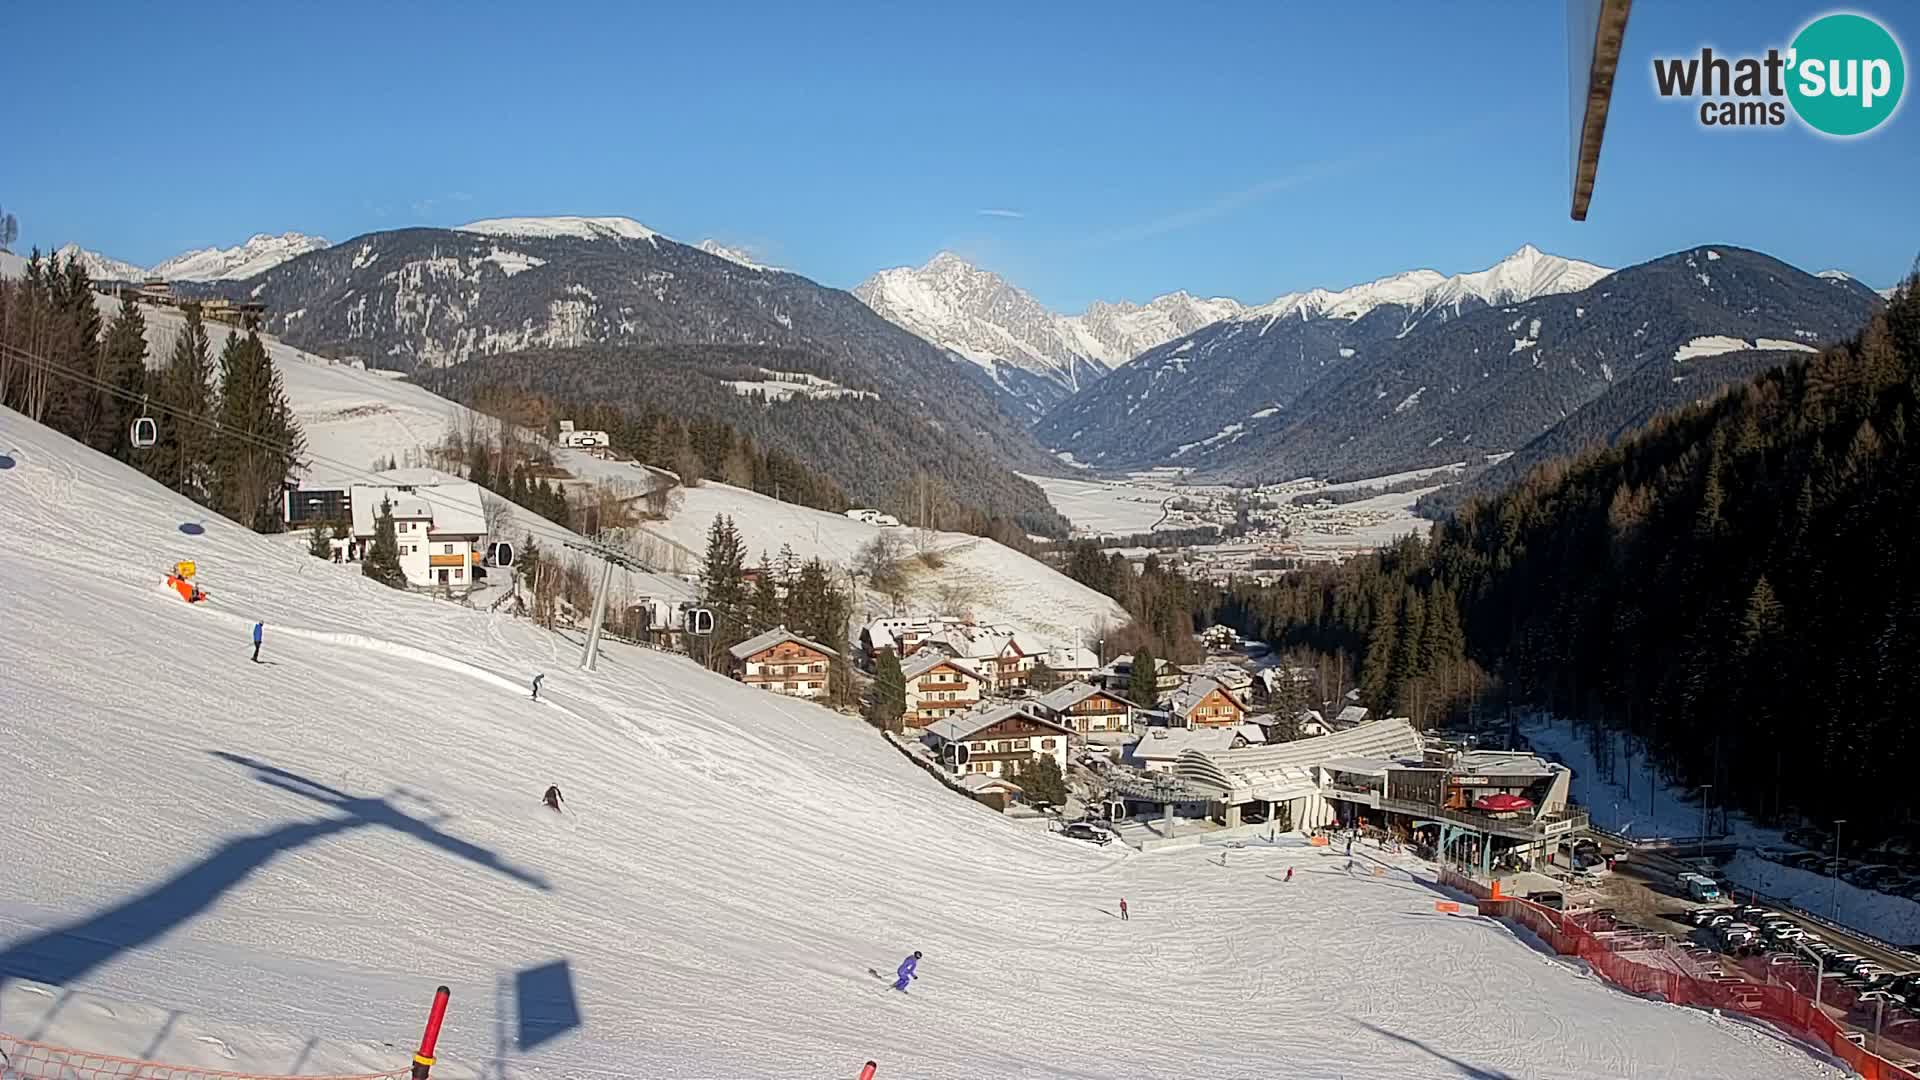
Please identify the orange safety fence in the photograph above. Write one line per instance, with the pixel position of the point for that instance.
(24, 1059)
(1773, 993)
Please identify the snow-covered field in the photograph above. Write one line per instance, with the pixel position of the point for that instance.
(994, 583)
(1124, 507)
(269, 867)
(1099, 506)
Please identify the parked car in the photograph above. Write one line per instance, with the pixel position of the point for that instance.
(1803, 860)
(1808, 838)
(1896, 883)
(1084, 830)
(1866, 875)
(1699, 916)
(1554, 900)
(1699, 887)
(1774, 854)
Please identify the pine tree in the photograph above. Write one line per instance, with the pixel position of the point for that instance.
(182, 457)
(817, 608)
(319, 543)
(1042, 678)
(722, 581)
(382, 561)
(1041, 782)
(1143, 682)
(764, 607)
(73, 406)
(887, 700)
(123, 365)
(258, 445)
(480, 463)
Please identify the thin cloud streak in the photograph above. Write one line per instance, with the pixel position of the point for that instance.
(1245, 197)
(1000, 213)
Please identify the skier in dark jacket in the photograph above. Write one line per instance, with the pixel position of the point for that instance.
(536, 685)
(257, 627)
(552, 798)
(906, 972)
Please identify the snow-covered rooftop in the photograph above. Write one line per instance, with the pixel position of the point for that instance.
(767, 640)
(1167, 744)
(927, 659)
(1062, 698)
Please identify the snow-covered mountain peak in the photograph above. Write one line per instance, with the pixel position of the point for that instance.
(101, 267)
(1523, 275)
(981, 316)
(261, 252)
(731, 254)
(581, 228)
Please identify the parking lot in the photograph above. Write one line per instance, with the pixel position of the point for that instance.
(1641, 909)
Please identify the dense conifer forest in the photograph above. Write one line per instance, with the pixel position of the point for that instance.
(1734, 588)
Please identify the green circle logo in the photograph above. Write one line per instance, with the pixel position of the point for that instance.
(1847, 74)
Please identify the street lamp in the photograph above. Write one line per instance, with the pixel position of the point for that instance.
(1837, 822)
(1705, 789)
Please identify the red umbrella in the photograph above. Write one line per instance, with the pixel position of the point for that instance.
(1502, 802)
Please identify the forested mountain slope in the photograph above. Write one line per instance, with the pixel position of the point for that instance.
(1734, 585)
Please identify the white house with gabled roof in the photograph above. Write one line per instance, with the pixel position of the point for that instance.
(939, 686)
(439, 523)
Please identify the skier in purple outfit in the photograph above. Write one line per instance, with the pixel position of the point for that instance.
(906, 972)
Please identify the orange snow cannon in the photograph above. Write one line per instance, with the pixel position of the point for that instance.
(181, 578)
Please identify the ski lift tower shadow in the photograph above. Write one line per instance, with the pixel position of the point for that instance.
(68, 952)
(545, 1004)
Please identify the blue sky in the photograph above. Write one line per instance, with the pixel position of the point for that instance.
(1084, 151)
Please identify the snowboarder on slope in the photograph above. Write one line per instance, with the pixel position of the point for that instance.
(1123, 909)
(552, 798)
(536, 685)
(906, 972)
(257, 627)
(1289, 873)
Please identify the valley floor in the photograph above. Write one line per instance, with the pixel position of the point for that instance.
(270, 866)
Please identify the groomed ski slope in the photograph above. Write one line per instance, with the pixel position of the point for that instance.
(264, 867)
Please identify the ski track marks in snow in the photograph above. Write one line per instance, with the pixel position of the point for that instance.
(288, 858)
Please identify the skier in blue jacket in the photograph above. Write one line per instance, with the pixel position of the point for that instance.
(256, 641)
(907, 974)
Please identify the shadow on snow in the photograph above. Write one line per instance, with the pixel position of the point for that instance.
(1466, 1069)
(66, 953)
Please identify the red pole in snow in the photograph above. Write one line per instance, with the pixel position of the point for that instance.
(867, 1073)
(423, 1058)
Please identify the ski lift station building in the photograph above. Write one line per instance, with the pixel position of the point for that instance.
(1473, 806)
